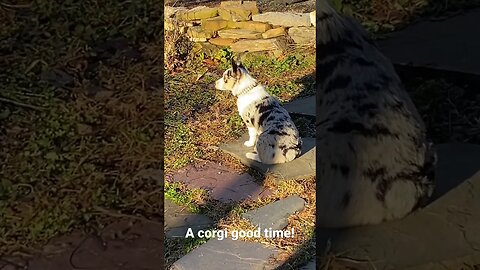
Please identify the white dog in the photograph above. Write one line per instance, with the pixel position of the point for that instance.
(374, 162)
(271, 130)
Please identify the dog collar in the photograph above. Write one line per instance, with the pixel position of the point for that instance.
(246, 90)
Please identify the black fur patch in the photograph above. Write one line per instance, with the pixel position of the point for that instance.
(285, 149)
(375, 174)
(277, 132)
(368, 108)
(345, 170)
(347, 126)
(398, 106)
(350, 146)
(346, 199)
(324, 16)
(357, 96)
(371, 87)
(326, 68)
(262, 107)
(268, 115)
(382, 188)
(270, 118)
(337, 47)
(363, 62)
(338, 82)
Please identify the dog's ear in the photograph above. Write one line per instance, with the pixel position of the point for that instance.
(234, 65)
(239, 63)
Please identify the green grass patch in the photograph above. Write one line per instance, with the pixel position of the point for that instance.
(186, 197)
(65, 150)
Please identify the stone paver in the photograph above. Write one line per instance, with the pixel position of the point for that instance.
(222, 184)
(258, 45)
(303, 105)
(178, 220)
(302, 35)
(275, 215)
(303, 166)
(449, 45)
(239, 33)
(250, 25)
(286, 19)
(276, 32)
(444, 235)
(197, 13)
(222, 41)
(227, 254)
(248, 5)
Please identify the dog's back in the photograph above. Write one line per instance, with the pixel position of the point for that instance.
(374, 163)
(279, 140)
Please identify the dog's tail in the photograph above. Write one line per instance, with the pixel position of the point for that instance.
(294, 152)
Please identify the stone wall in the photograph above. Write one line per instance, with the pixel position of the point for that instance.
(240, 26)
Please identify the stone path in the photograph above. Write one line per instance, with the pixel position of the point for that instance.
(225, 185)
(227, 254)
(178, 220)
(448, 45)
(275, 215)
(444, 235)
(303, 105)
(221, 182)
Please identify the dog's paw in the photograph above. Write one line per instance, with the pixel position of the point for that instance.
(248, 143)
(253, 156)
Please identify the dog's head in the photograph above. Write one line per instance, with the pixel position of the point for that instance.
(233, 77)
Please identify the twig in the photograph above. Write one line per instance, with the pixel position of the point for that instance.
(6, 100)
(119, 215)
(15, 6)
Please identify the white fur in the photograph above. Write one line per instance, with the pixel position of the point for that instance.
(274, 141)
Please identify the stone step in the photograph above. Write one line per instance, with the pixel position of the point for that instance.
(258, 45)
(227, 254)
(221, 183)
(302, 35)
(443, 235)
(447, 45)
(178, 220)
(303, 105)
(286, 19)
(275, 215)
(301, 167)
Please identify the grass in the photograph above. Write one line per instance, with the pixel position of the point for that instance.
(382, 16)
(80, 117)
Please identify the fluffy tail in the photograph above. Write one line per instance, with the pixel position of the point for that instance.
(295, 152)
